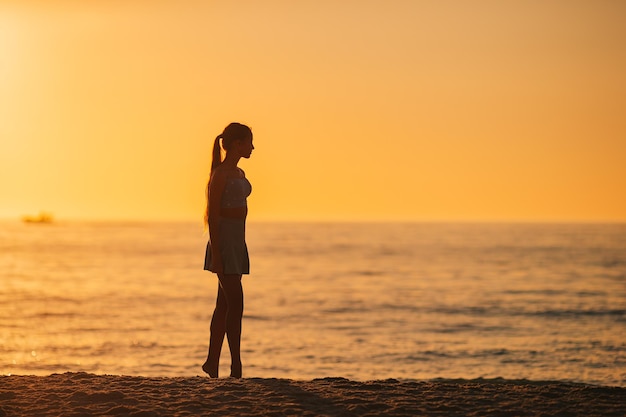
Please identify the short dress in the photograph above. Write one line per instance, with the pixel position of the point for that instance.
(232, 232)
(233, 248)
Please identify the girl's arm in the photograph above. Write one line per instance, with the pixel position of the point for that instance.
(216, 189)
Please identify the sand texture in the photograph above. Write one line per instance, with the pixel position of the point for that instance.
(82, 394)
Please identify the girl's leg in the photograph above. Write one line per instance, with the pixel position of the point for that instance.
(231, 285)
(218, 329)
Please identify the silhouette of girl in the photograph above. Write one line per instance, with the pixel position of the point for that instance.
(226, 252)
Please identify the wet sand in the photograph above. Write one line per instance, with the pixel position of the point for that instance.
(82, 394)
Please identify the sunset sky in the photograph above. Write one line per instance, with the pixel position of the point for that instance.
(446, 110)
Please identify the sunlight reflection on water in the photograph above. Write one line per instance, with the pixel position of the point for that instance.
(362, 301)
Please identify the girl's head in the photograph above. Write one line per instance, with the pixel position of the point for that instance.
(234, 135)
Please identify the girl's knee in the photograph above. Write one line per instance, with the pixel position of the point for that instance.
(236, 307)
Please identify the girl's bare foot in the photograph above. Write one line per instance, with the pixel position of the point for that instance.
(235, 370)
(211, 370)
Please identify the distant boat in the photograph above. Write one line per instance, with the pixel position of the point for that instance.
(41, 218)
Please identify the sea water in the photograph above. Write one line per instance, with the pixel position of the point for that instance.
(361, 301)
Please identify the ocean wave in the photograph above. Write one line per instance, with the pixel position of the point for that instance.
(473, 311)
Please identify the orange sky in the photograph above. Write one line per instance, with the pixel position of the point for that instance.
(362, 110)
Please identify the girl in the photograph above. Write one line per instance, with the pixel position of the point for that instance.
(226, 252)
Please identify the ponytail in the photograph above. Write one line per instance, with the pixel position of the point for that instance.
(217, 153)
(217, 160)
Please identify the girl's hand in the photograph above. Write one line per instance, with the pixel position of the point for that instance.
(216, 265)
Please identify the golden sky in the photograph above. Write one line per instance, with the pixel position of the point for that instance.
(362, 110)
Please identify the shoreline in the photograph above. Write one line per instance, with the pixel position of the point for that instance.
(74, 394)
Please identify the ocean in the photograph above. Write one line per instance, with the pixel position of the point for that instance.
(356, 300)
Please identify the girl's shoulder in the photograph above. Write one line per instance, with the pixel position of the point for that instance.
(225, 173)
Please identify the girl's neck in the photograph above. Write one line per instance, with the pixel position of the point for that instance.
(231, 161)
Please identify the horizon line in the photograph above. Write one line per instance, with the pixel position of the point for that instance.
(326, 220)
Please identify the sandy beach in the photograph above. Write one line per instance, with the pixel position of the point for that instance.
(83, 394)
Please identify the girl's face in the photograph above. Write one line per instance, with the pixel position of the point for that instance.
(245, 147)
